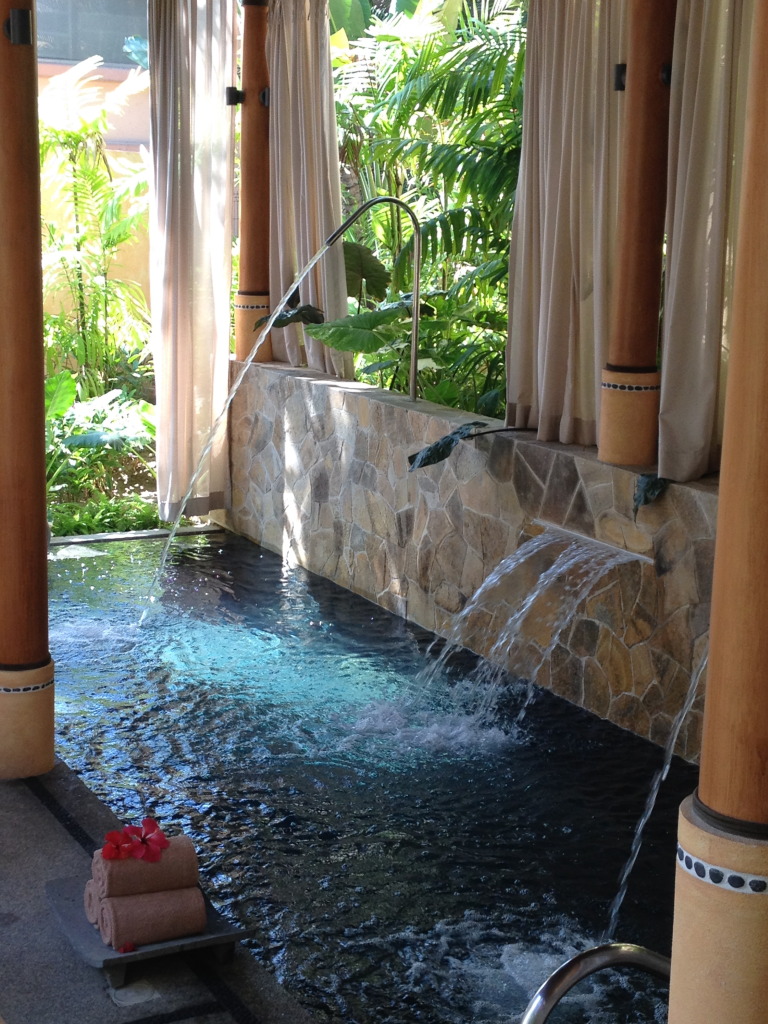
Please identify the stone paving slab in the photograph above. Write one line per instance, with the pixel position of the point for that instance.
(49, 827)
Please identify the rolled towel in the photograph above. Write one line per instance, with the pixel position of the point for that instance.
(176, 869)
(151, 917)
(91, 900)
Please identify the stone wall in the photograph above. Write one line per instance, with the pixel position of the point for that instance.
(321, 475)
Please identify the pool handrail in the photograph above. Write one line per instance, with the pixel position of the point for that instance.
(610, 954)
(416, 294)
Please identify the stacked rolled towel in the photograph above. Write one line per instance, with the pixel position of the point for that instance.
(135, 902)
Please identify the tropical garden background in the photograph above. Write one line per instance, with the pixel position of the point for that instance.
(429, 98)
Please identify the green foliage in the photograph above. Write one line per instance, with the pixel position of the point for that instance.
(363, 332)
(366, 275)
(103, 445)
(429, 110)
(101, 329)
(350, 16)
(104, 514)
(461, 349)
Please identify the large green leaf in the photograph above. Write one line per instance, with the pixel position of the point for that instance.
(60, 392)
(361, 266)
(359, 333)
(450, 13)
(353, 16)
(97, 439)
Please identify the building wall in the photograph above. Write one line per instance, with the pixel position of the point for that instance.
(321, 474)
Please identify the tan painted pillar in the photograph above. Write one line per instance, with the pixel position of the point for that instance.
(26, 670)
(252, 299)
(720, 940)
(629, 405)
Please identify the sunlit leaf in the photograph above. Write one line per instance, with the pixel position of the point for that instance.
(60, 392)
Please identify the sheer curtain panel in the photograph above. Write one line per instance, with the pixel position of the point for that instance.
(305, 203)
(564, 221)
(191, 64)
(708, 101)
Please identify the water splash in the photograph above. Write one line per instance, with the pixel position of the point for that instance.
(659, 777)
(517, 615)
(221, 418)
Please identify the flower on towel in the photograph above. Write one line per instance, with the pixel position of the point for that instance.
(150, 840)
(144, 843)
(118, 845)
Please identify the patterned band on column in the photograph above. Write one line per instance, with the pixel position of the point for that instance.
(27, 706)
(629, 418)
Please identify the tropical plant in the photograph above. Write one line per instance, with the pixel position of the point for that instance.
(429, 109)
(104, 514)
(461, 349)
(102, 445)
(100, 329)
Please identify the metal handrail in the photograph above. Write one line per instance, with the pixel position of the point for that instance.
(336, 235)
(611, 954)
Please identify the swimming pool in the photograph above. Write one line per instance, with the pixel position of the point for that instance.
(399, 856)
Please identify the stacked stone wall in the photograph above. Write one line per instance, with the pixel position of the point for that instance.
(320, 474)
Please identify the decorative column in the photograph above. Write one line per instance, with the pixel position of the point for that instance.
(720, 940)
(631, 383)
(252, 299)
(26, 669)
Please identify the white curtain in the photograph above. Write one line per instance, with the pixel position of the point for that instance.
(191, 64)
(706, 127)
(305, 201)
(564, 222)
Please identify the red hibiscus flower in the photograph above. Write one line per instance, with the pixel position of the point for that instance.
(144, 843)
(118, 845)
(150, 840)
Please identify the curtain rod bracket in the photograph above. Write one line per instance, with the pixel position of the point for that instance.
(234, 95)
(18, 27)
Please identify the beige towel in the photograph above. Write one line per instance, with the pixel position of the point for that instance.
(91, 901)
(151, 917)
(176, 869)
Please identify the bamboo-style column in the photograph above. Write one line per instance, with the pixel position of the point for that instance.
(26, 670)
(720, 942)
(629, 406)
(252, 299)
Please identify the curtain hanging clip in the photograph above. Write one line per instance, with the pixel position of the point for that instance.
(18, 27)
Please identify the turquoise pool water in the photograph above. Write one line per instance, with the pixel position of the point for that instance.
(399, 855)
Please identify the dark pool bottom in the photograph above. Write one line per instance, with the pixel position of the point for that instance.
(399, 855)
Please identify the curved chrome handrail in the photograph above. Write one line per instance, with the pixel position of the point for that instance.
(336, 235)
(611, 954)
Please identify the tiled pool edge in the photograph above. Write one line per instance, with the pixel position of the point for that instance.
(320, 474)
